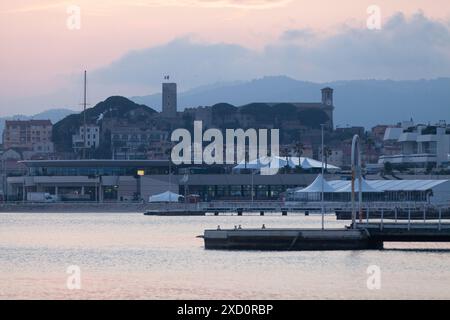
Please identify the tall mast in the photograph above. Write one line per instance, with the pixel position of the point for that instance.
(84, 119)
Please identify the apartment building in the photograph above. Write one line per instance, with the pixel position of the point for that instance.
(29, 135)
(421, 145)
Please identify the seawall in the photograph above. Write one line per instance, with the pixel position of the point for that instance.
(74, 207)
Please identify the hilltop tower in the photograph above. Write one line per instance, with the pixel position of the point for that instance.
(169, 100)
(328, 105)
(327, 96)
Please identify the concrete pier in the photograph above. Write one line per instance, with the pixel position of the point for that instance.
(407, 232)
(176, 213)
(396, 214)
(363, 237)
(289, 239)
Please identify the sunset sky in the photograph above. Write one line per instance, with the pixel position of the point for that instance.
(127, 46)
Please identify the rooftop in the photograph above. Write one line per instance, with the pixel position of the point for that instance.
(390, 185)
(28, 122)
(95, 163)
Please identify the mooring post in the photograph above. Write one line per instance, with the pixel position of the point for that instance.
(367, 217)
(395, 214)
(440, 218)
(409, 218)
(424, 214)
(382, 216)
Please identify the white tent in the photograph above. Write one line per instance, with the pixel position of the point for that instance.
(365, 187)
(316, 186)
(281, 162)
(313, 192)
(308, 163)
(167, 196)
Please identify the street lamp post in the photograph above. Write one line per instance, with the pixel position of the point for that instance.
(140, 174)
(253, 173)
(356, 174)
(5, 183)
(169, 154)
(170, 179)
(322, 193)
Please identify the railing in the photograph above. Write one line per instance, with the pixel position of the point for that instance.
(69, 203)
(414, 157)
(178, 206)
(243, 204)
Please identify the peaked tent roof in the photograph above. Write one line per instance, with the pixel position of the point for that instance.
(365, 187)
(280, 162)
(390, 185)
(167, 196)
(308, 163)
(405, 185)
(316, 186)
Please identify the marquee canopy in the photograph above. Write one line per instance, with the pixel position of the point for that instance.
(167, 196)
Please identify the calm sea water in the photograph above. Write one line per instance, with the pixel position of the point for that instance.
(132, 256)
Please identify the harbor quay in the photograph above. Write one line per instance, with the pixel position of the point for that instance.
(289, 239)
(359, 236)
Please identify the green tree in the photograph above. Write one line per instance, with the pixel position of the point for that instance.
(388, 168)
(327, 153)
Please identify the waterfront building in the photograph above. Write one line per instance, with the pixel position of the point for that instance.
(128, 180)
(9, 167)
(421, 146)
(137, 180)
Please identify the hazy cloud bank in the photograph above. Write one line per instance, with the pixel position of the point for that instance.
(406, 48)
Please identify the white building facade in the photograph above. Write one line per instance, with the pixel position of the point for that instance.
(421, 146)
(89, 139)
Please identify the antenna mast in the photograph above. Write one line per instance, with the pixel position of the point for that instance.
(84, 119)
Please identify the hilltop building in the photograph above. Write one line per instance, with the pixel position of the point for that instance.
(169, 100)
(89, 139)
(134, 143)
(297, 121)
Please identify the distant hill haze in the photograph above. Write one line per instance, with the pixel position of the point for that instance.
(357, 102)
